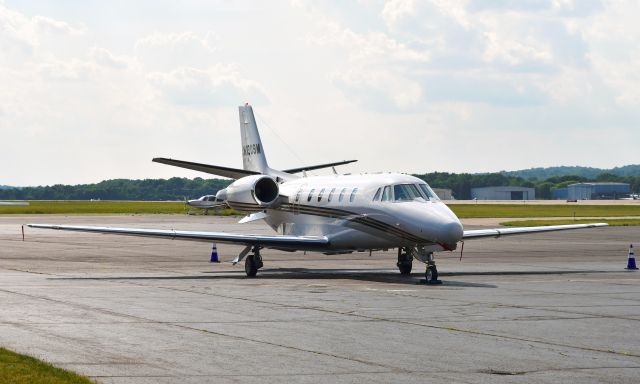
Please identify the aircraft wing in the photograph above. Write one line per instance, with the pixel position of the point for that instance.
(268, 241)
(233, 173)
(321, 166)
(499, 232)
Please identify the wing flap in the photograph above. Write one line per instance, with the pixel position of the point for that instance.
(499, 232)
(269, 241)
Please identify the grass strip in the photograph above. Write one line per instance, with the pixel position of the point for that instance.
(106, 208)
(470, 211)
(535, 223)
(463, 211)
(21, 369)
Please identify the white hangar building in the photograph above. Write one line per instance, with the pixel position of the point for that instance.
(503, 193)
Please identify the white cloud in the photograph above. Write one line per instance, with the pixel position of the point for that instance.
(163, 51)
(47, 24)
(102, 56)
(215, 86)
(448, 85)
(396, 10)
(18, 28)
(175, 40)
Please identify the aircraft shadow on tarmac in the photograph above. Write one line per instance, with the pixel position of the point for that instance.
(379, 276)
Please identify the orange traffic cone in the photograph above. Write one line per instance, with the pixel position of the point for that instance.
(631, 260)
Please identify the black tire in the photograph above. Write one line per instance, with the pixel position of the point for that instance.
(251, 266)
(405, 263)
(405, 267)
(431, 274)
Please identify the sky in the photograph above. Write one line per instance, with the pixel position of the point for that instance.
(93, 90)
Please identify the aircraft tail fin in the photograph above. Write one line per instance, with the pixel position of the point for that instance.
(253, 157)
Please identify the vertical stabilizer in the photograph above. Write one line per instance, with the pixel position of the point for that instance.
(253, 157)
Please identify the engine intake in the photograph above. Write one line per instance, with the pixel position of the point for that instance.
(251, 193)
(266, 191)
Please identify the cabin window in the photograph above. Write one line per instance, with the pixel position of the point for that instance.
(298, 195)
(344, 190)
(376, 197)
(386, 194)
(406, 192)
(353, 195)
(331, 194)
(320, 194)
(310, 195)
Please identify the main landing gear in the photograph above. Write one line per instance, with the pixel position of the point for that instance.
(405, 260)
(253, 262)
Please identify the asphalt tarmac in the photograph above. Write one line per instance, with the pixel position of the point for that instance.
(545, 308)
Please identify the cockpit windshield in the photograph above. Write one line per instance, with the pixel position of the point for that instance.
(406, 192)
(428, 192)
(411, 192)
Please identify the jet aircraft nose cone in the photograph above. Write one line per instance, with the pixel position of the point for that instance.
(451, 232)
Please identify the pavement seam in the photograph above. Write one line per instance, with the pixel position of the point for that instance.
(445, 328)
(178, 325)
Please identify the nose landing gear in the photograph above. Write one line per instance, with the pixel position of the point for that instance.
(405, 263)
(431, 274)
(426, 256)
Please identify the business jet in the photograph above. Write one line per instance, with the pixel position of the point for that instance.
(333, 214)
(13, 203)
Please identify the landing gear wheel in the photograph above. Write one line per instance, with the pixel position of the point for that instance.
(431, 275)
(251, 266)
(405, 262)
(405, 268)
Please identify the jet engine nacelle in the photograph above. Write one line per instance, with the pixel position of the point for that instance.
(251, 193)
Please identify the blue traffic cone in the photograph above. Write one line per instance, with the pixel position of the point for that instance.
(631, 260)
(214, 254)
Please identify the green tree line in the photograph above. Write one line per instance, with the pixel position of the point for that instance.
(175, 188)
(461, 183)
(178, 188)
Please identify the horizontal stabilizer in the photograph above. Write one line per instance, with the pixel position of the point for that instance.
(321, 166)
(206, 168)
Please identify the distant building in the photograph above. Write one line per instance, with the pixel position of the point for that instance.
(561, 193)
(503, 193)
(443, 193)
(598, 191)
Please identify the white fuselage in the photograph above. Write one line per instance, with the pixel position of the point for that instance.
(353, 213)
